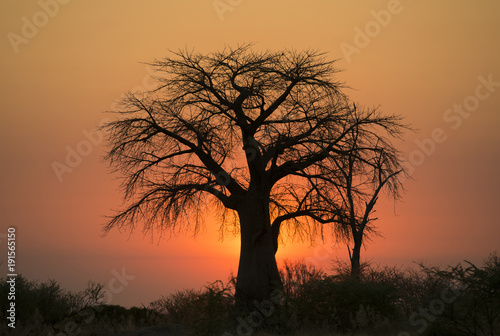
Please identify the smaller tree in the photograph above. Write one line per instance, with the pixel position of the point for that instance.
(369, 166)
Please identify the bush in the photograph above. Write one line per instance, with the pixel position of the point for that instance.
(344, 304)
(44, 308)
(206, 311)
(475, 309)
(47, 300)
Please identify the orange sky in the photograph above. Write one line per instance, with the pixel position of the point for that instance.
(64, 63)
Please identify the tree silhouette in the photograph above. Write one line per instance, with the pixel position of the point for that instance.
(257, 136)
(370, 166)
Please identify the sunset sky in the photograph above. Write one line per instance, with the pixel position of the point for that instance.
(64, 63)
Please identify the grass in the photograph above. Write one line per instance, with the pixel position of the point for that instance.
(458, 300)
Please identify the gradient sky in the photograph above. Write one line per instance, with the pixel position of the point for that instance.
(424, 59)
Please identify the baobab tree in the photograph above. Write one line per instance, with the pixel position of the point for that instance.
(242, 132)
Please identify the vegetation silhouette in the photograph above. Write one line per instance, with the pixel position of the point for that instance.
(462, 299)
(266, 138)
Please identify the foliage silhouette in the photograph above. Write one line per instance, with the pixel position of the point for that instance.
(383, 301)
(260, 136)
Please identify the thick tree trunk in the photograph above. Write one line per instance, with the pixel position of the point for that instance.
(355, 259)
(258, 277)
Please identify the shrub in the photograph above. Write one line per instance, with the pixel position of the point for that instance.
(344, 303)
(48, 300)
(476, 310)
(45, 305)
(205, 311)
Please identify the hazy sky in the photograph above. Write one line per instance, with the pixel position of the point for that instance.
(63, 63)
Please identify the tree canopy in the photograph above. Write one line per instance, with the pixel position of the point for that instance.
(264, 137)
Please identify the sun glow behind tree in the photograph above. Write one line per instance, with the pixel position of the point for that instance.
(260, 136)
